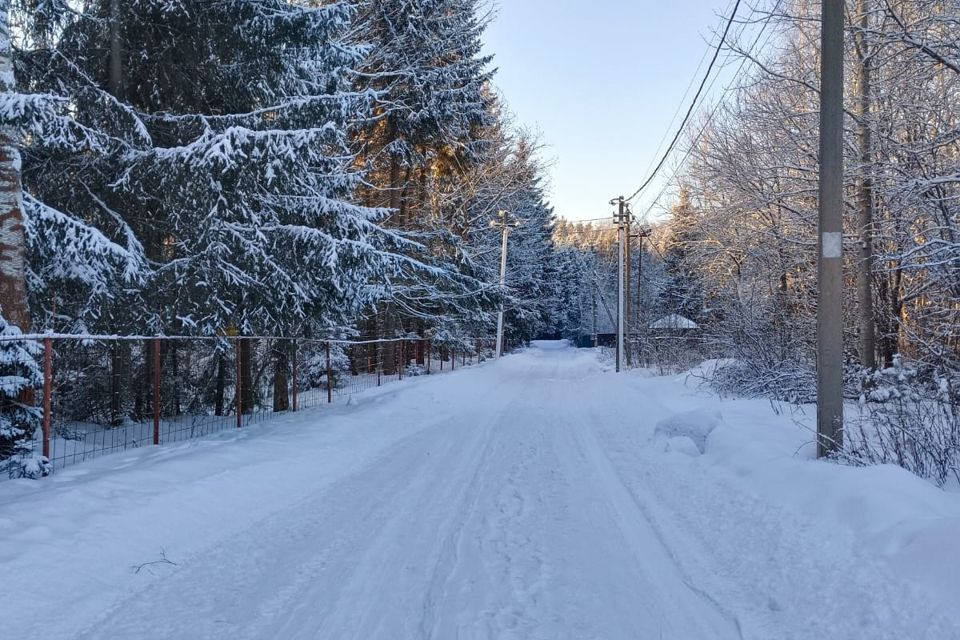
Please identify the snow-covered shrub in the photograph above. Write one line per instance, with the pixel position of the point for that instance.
(313, 370)
(19, 419)
(785, 381)
(28, 465)
(672, 353)
(908, 417)
(454, 338)
(414, 370)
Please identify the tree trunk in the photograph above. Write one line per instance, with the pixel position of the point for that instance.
(116, 80)
(246, 372)
(395, 190)
(425, 214)
(389, 352)
(281, 385)
(116, 384)
(13, 241)
(421, 355)
(891, 298)
(221, 384)
(868, 346)
(174, 377)
(405, 198)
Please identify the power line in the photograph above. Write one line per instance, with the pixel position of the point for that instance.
(604, 219)
(716, 108)
(676, 113)
(696, 98)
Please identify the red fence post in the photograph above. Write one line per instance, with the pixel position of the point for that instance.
(453, 360)
(156, 391)
(47, 393)
(403, 359)
(329, 375)
(238, 358)
(294, 375)
(429, 348)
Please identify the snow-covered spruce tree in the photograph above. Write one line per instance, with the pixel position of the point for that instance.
(425, 65)
(508, 177)
(84, 257)
(532, 271)
(19, 417)
(573, 314)
(682, 293)
(242, 199)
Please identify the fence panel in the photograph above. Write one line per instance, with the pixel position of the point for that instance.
(105, 394)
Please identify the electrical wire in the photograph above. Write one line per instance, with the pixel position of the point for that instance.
(696, 98)
(716, 108)
(683, 100)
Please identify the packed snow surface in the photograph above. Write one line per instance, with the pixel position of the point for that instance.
(528, 498)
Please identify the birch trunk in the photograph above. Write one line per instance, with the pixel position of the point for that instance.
(13, 241)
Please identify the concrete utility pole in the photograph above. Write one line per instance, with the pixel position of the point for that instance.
(830, 262)
(622, 218)
(503, 223)
(627, 305)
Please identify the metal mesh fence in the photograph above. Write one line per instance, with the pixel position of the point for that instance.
(103, 394)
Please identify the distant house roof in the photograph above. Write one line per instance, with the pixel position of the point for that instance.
(674, 322)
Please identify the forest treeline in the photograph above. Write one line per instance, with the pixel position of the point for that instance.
(271, 167)
(261, 167)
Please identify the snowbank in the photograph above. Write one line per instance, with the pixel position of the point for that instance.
(694, 426)
(895, 515)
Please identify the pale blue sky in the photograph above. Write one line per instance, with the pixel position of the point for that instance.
(601, 80)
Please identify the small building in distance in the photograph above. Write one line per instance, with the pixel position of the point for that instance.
(674, 324)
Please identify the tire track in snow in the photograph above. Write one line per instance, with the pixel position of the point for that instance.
(513, 550)
(450, 554)
(634, 515)
(250, 577)
(415, 548)
(241, 587)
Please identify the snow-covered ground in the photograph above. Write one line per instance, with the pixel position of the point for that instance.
(542, 496)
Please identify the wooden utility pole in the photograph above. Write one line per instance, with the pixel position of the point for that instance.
(830, 262)
(622, 218)
(868, 339)
(13, 240)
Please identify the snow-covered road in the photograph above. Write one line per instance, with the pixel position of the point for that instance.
(523, 499)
